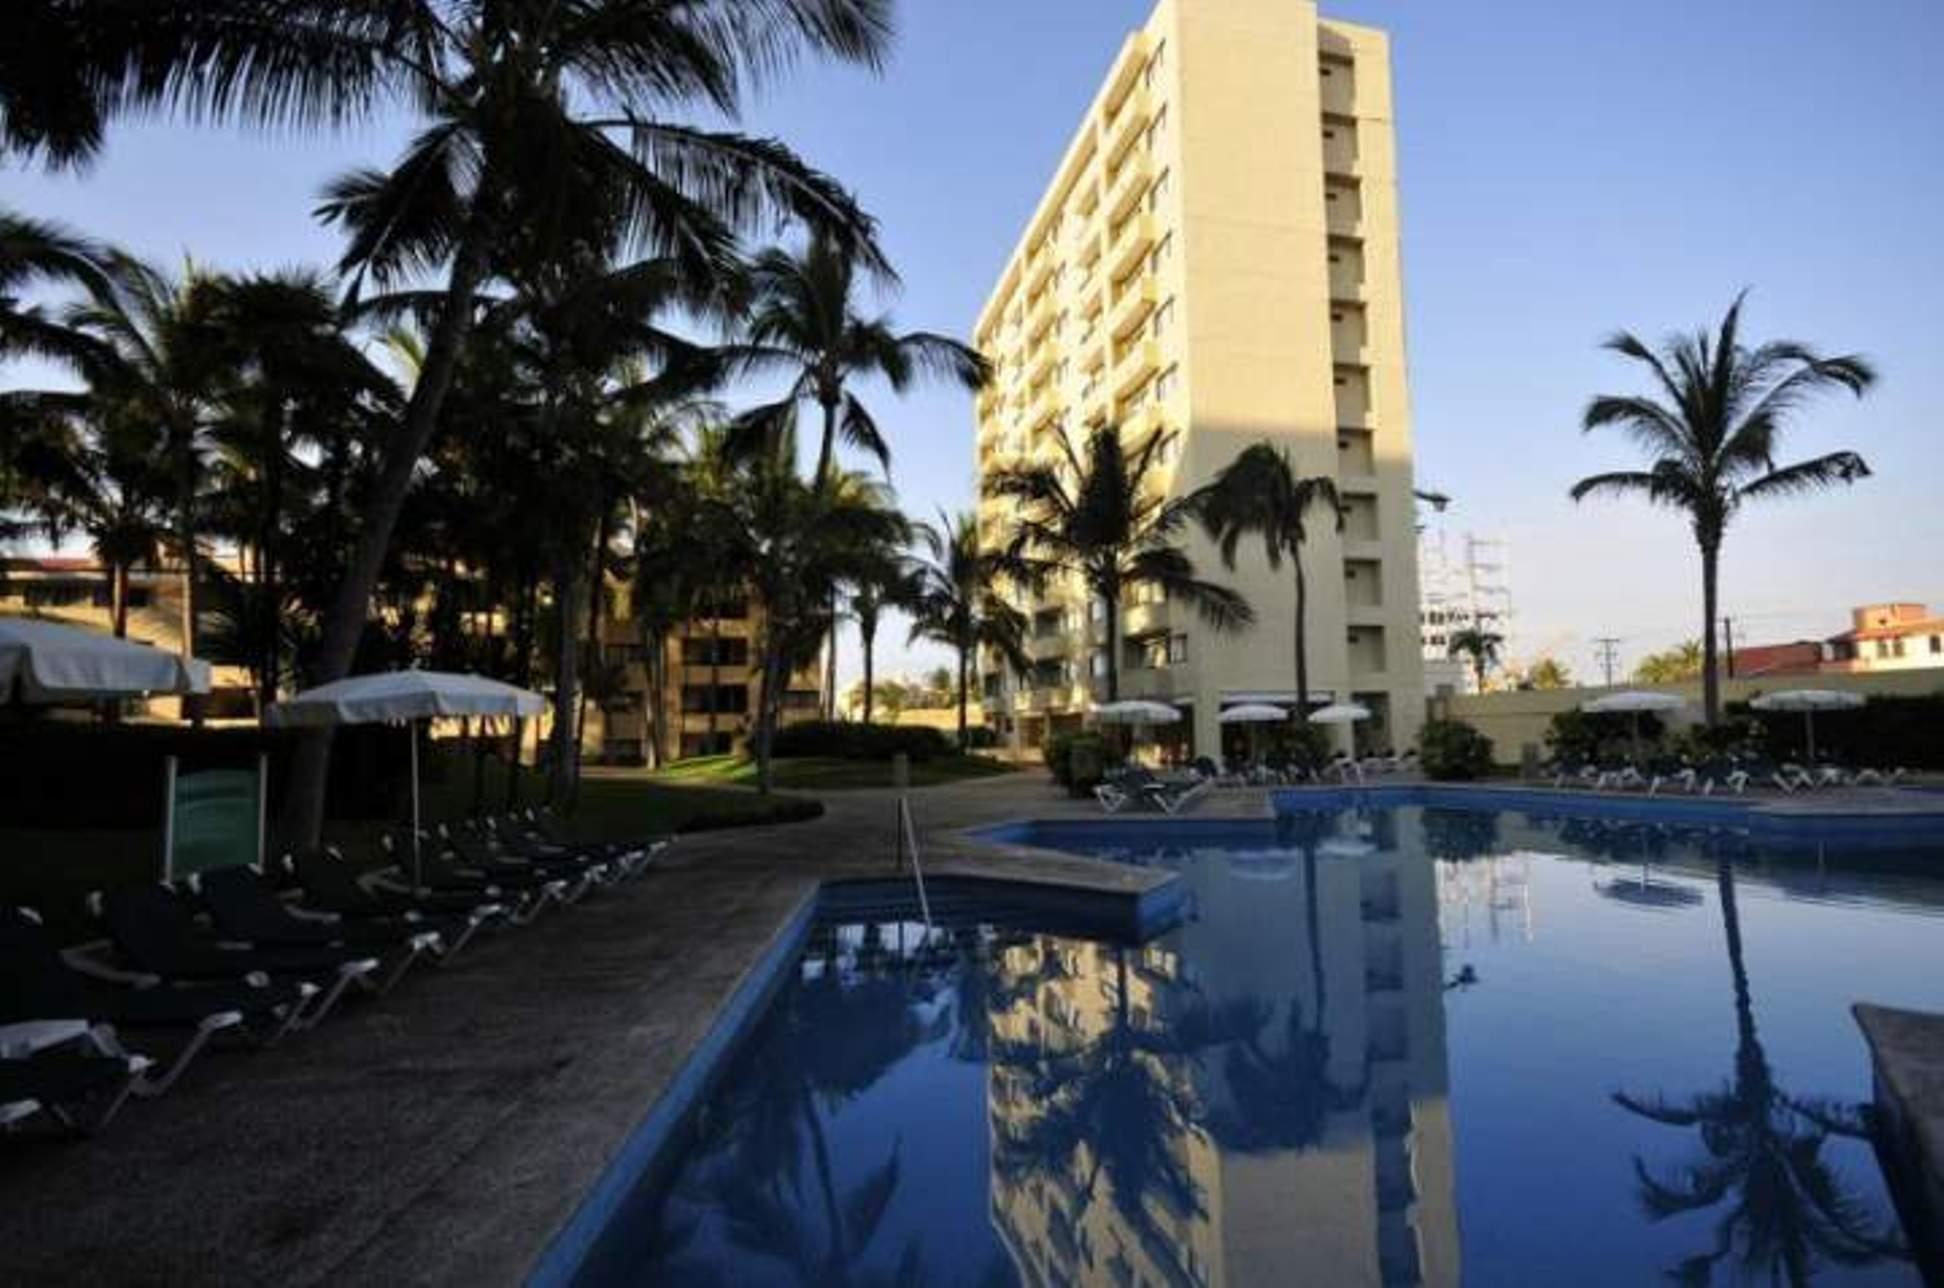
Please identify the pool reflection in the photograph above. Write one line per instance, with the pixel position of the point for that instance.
(1264, 1094)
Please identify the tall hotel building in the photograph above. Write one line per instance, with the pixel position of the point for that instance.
(1218, 255)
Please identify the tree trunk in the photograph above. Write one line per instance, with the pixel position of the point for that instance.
(868, 638)
(344, 623)
(596, 601)
(826, 451)
(1302, 639)
(1710, 678)
(651, 671)
(566, 746)
(830, 662)
(268, 617)
(118, 595)
(1113, 646)
(765, 708)
(964, 654)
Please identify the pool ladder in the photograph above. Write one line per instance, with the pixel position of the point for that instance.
(907, 843)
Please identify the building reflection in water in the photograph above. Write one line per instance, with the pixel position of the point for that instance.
(1280, 1103)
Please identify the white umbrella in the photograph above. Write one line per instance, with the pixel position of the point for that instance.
(406, 696)
(1631, 702)
(1809, 702)
(48, 662)
(1252, 713)
(1340, 713)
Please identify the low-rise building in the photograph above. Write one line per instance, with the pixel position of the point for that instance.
(1888, 637)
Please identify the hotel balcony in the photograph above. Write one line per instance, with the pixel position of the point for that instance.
(1124, 130)
(1133, 240)
(1159, 683)
(1132, 306)
(1038, 369)
(1145, 619)
(1136, 363)
(1129, 185)
(1039, 269)
(1039, 318)
(1049, 647)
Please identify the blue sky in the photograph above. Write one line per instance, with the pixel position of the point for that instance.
(1566, 169)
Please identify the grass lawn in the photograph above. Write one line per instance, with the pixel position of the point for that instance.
(824, 773)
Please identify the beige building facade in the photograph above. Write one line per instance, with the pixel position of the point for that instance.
(1217, 256)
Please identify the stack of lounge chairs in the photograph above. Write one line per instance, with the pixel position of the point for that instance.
(1731, 773)
(240, 954)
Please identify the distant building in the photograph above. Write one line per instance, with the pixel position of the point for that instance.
(1463, 584)
(78, 591)
(1888, 637)
(1882, 637)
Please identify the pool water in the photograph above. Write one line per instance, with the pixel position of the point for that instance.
(1414, 1045)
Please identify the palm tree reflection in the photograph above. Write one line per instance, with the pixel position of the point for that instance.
(1785, 1209)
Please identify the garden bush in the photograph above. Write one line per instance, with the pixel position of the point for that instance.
(1452, 749)
(1585, 736)
(1079, 761)
(847, 740)
(1885, 731)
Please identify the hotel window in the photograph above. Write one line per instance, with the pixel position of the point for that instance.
(1163, 318)
(1937, 643)
(1164, 384)
(1883, 648)
(1897, 646)
(1177, 649)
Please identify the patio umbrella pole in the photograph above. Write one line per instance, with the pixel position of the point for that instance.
(411, 734)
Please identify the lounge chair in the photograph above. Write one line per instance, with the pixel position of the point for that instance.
(245, 906)
(39, 981)
(61, 1082)
(525, 894)
(1137, 785)
(151, 928)
(329, 883)
(578, 874)
(1878, 777)
(543, 826)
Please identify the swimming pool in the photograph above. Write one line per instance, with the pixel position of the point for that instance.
(1401, 1045)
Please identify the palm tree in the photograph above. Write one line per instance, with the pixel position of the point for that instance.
(545, 125)
(158, 367)
(1263, 493)
(1762, 1154)
(804, 320)
(35, 253)
(955, 601)
(1479, 645)
(1712, 444)
(1670, 666)
(885, 579)
(1093, 518)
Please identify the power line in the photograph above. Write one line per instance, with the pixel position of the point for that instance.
(1608, 647)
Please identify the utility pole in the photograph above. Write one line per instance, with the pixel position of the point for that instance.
(1609, 647)
(1728, 629)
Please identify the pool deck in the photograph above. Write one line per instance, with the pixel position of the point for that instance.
(447, 1133)
(1907, 1057)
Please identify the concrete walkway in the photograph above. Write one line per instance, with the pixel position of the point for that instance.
(444, 1133)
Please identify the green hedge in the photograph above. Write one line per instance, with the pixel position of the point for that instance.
(847, 740)
(1890, 731)
(1452, 749)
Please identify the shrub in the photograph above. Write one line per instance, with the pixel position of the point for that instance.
(846, 740)
(1885, 731)
(1452, 749)
(981, 738)
(1590, 736)
(1079, 761)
